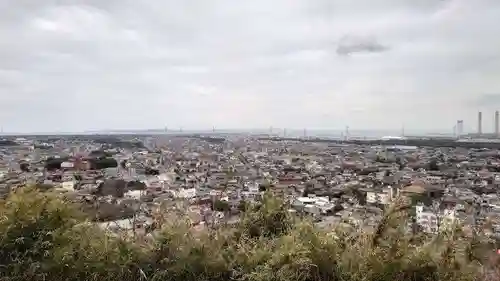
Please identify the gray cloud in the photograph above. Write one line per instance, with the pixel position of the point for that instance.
(350, 45)
(88, 64)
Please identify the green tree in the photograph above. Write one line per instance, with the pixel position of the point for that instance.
(243, 206)
(221, 206)
(433, 165)
(270, 218)
(44, 237)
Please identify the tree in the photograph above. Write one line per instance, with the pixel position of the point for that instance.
(358, 194)
(54, 163)
(78, 177)
(151, 171)
(433, 165)
(400, 161)
(44, 186)
(39, 220)
(25, 167)
(243, 206)
(308, 190)
(103, 163)
(271, 218)
(264, 187)
(221, 206)
(45, 238)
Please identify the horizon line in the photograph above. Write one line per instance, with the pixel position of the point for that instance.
(277, 130)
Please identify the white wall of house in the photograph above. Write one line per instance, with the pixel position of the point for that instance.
(378, 197)
(187, 193)
(432, 222)
(134, 194)
(68, 185)
(67, 164)
(426, 219)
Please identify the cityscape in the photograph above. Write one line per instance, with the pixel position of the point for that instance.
(314, 175)
(222, 140)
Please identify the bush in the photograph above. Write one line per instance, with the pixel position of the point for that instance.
(24, 167)
(54, 163)
(221, 206)
(46, 238)
(151, 171)
(243, 206)
(103, 163)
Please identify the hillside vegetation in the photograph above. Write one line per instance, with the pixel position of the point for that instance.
(45, 238)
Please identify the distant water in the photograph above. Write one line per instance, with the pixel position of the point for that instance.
(334, 134)
(324, 133)
(337, 134)
(328, 134)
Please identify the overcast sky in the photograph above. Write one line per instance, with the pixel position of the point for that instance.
(371, 64)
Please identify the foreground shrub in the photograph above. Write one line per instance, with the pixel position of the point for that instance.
(45, 238)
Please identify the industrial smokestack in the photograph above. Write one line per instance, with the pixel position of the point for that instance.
(479, 123)
(459, 128)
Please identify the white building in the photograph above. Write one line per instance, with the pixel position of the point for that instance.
(186, 193)
(433, 222)
(426, 219)
(68, 185)
(134, 194)
(67, 164)
(253, 188)
(313, 205)
(383, 197)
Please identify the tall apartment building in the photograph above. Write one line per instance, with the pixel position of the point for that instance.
(460, 128)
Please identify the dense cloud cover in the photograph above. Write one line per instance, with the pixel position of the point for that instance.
(78, 65)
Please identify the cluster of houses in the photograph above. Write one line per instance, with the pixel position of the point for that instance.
(210, 180)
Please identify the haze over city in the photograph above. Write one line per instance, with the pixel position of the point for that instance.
(94, 65)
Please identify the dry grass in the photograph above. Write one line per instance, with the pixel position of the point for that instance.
(46, 238)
